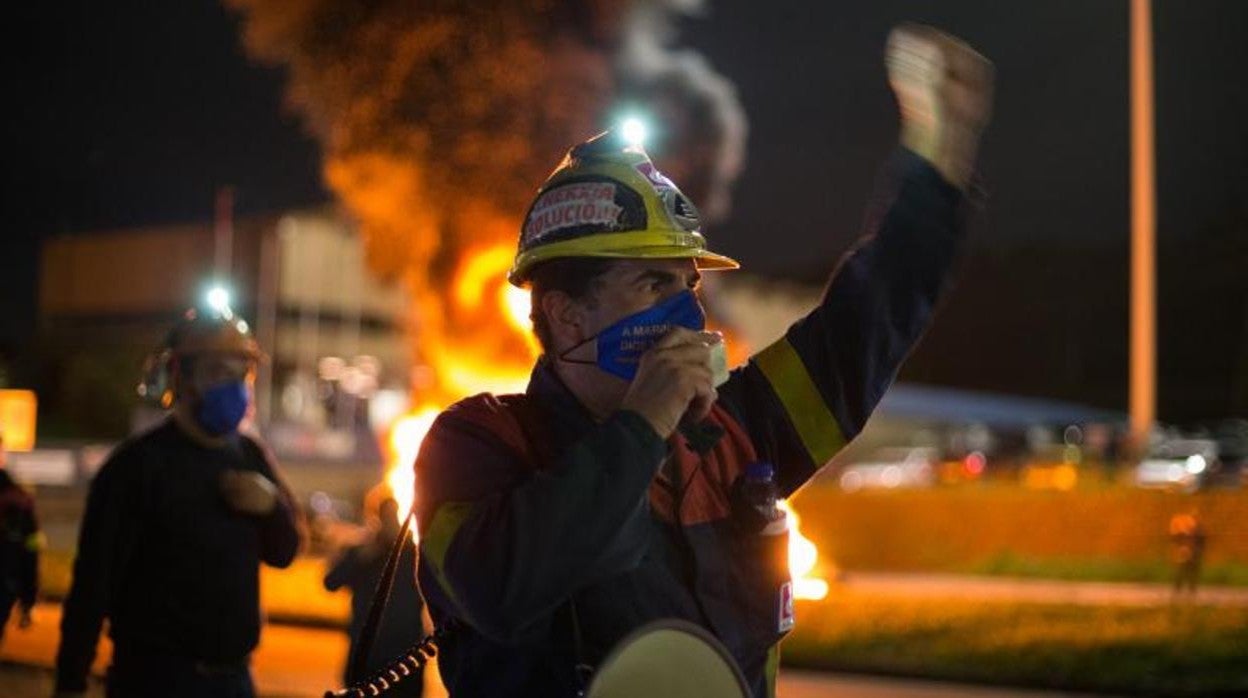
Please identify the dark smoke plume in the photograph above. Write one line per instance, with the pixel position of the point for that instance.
(438, 120)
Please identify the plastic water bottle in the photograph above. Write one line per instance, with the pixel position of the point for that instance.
(761, 494)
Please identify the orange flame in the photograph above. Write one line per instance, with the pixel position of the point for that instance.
(802, 557)
(406, 435)
(466, 367)
(488, 361)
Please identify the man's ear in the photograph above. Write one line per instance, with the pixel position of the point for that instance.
(181, 382)
(565, 317)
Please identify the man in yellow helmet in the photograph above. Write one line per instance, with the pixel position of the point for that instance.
(636, 479)
(178, 520)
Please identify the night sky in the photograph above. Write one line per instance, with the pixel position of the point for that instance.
(1055, 159)
(126, 114)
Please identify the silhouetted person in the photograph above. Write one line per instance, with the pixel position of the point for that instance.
(1187, 535)
(359, 568)
(20, 542)
(177, 523)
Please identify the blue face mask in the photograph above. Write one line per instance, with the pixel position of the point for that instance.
(222, 407)
(621, 345)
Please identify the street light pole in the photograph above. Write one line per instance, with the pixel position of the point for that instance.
(1143, 369)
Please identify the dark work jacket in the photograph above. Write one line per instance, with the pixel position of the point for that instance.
(163, 557)
(548, 537)
(20, 543)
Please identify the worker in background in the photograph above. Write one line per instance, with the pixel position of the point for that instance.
(177, 523)
(1187, 538)
(359, 569)
(20, 544)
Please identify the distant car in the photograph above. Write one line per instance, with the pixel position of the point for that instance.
(891, 468)
(1232, 438)
(1178, 464)
(967, 468)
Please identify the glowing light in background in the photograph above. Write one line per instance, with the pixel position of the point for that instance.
(518, 304)
(975, 463)
(802, 558)
(478, 271)
(479, 278)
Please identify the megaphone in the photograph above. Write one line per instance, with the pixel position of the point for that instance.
(669, 659)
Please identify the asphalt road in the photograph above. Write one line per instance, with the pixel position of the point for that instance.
(298, 662)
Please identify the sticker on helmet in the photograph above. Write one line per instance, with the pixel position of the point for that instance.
(679, 208)
(652, 175)
(572, 206)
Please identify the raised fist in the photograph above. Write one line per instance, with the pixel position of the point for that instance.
(944, 91)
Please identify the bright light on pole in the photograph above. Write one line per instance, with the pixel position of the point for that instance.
(634, 131)
(1143, 342)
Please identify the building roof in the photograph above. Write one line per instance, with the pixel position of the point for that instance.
(924, 402)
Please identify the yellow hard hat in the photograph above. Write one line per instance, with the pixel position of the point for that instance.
(606, 199)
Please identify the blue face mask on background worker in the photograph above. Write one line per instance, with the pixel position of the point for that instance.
(221, 408)
(621, 345)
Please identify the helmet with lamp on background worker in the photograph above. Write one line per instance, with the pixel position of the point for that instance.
(212, 331)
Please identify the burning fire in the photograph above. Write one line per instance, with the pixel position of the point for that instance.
(802, 557)
(498, 352)
(479, 291)
(406, 436)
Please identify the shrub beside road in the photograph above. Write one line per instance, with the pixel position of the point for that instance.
(1095, 534)
(1150, 650)
(1108, 533)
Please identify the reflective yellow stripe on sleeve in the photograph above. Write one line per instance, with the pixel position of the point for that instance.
(809, 414)
(772, 669)
(36, 542)
(436, 540)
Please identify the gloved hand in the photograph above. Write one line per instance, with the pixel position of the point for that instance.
(248, 492)
(944, 90)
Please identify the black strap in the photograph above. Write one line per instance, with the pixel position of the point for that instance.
(381, 596)
(405, 665)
